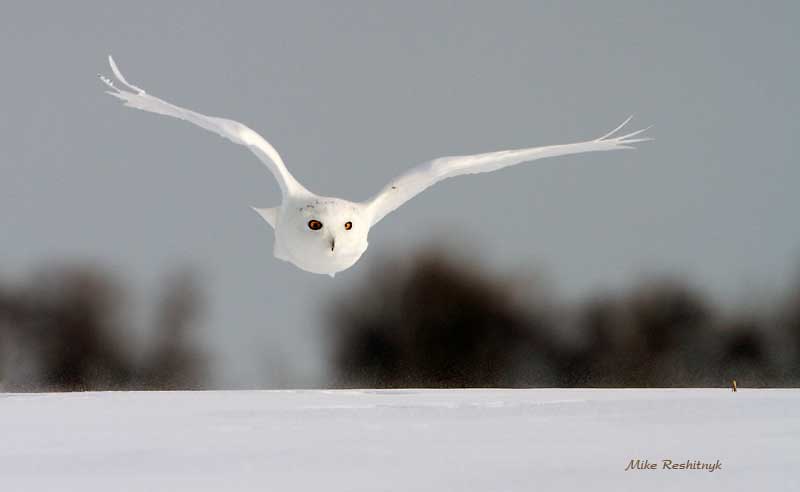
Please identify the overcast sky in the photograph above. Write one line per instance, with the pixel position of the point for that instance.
(353, 93)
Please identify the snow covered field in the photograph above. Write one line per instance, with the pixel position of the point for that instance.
(369, 440)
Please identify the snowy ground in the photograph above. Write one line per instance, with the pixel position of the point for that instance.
(461, 440)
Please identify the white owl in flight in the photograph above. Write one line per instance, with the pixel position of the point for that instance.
(326, 235)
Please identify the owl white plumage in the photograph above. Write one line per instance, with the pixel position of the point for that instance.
(326, 235)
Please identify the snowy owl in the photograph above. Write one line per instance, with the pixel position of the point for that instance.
(327, 235)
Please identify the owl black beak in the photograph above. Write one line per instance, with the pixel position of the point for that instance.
(333, 243)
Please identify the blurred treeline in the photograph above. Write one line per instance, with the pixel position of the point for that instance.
(65, 329)
(436, 321)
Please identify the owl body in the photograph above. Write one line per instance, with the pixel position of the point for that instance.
(318, 234)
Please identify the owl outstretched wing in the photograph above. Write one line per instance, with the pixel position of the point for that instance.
(234, 131)
(419, 178)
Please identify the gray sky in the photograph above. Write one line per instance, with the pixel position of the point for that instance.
(353, 93)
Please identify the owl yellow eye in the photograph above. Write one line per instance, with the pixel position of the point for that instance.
(348, 225)
(314, 225)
